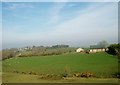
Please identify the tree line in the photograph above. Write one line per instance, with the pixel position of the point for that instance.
(37, 51)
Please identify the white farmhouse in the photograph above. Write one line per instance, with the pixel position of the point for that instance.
(79, 50)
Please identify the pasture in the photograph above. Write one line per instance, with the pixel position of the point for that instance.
(102, 65)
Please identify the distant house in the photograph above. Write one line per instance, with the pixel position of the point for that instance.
(79, 50)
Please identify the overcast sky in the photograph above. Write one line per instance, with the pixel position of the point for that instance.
(50, 23)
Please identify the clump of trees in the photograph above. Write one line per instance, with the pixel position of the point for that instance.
(0, 55)
(9, 53)
(103, 44)
(114, 49)
(60, 46)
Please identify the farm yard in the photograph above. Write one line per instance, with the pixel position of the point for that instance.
(68, 67)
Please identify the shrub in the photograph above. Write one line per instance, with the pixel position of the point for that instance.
(6, 54)
(77, 75)
(114, 49)
(116, 75)
(87, 74)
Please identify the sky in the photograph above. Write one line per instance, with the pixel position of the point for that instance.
(50, 23)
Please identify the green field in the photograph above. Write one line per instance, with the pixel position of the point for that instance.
(102, 65)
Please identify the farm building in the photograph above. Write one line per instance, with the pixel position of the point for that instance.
(80, 50)
(95, 48)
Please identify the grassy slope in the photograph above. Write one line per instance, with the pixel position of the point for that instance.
(101, 64)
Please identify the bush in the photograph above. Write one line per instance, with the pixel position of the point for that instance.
(116, 75)
(76, 75)
(114, 49)
(85, 74)
(6, 54)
